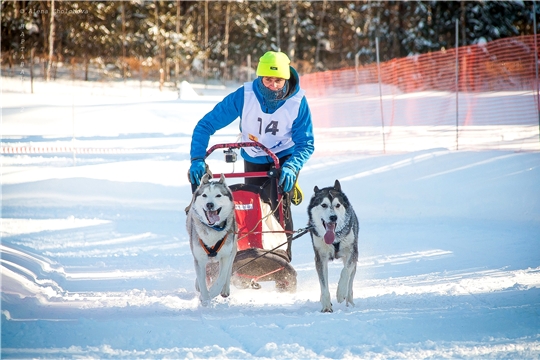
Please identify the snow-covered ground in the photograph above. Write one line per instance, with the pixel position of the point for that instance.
(96, 263)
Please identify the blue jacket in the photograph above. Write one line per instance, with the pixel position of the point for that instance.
(230, 108)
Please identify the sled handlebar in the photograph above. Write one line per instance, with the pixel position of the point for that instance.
(273, 173)
(240, 145)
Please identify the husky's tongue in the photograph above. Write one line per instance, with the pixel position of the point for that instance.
(212, 217)
(330, 235)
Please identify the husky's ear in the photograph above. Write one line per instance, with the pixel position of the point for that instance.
(205, 179)
(316, 189)
(222, 179)
(337, 185)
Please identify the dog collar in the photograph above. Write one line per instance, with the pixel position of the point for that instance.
(218, 228)
(212, 251)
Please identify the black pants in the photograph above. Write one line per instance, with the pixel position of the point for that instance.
(269, 186)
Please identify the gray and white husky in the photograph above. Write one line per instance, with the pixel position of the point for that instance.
(211, 226)
(334, 234)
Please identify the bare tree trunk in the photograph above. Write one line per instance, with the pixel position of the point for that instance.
(124, 41)
(158, 39)
(206, 52)
(32, 52)
(378, 30)
(85, 68)
(165, 61)
(320, 33)
(51, 42)
(292, 24)
(226, 41)
(396, 46)
(177, 57)
(41, 55)
(278, 28)
(463, 25)
(73, 69)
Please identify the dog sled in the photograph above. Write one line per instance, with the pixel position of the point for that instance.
(264, 235)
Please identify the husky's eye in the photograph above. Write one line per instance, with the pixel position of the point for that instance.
(324, 206)
(204, 195)
(338, 205)
(218, 195)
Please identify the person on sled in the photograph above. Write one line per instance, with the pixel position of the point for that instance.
(273, 111)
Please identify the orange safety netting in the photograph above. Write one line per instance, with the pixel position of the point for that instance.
(492, 85)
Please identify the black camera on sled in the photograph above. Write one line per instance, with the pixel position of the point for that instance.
(230, 156)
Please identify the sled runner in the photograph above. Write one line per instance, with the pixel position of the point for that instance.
(263, 243)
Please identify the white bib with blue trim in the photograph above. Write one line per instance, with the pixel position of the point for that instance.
(272, 130)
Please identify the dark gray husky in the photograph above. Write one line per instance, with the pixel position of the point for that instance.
(334, 234)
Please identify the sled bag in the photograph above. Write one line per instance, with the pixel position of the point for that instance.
(257, 227)
(247, 208)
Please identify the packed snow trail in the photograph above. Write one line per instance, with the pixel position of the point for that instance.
(96, 262)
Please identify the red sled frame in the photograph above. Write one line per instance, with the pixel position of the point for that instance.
(277, 267)
(269, 174)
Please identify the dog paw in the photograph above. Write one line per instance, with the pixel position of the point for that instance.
(326, 306)
(327, 309)
(341, 295)
(205, 302)
(226, 290)
(350, 300)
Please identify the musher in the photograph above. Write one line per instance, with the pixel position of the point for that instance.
(273, 111)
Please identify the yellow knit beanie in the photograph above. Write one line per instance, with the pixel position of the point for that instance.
(274, 64)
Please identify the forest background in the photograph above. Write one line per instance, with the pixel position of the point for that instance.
(187, 40)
